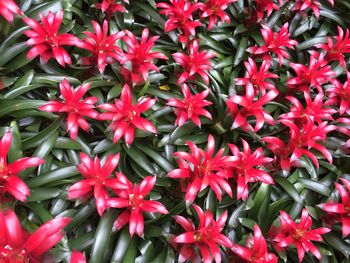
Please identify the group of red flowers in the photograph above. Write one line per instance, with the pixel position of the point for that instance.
(198, 169)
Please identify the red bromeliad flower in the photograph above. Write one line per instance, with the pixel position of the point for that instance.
(335, 51)
(245, 168)
(256, 250)
(214, 9)
(97, 180)
(275, 42)
(197, 62)
(257, 78)
(339, 94)
(77, 257)
(263, 6)
(74, 106)
(180, 17)
(342, 210)
(301, 5)
(190, 107)
(9, 9)
(139, 59)
(298, 234)
(17, 245)
(125, 116)
(10, 182)
(46, 40)
(132, 197)
(110, 7)
(201, 170)
(317, 73)
(103, 48)
(207, 237)
(249, 107)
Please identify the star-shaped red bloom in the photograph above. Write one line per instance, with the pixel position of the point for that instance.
(46, 40)
(132, 197)
(190, 107)
(102, 47)
(9, 9)
(256, 250)
(139, 59)
(302, 5)
(125, 116)
(267, 6)
(339, 95)
(207, 237)
(10, 182)
(298, 234)
(75, 106)
(111, 6)
(275, 42)
(197, 62)
(214, 9)
(201, 169)
(17, 245)
(97, 180)
(341, 210)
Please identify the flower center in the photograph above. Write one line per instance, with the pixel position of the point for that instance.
(3, 171)
(298, 234)
(52, 40)
(135, 201)
(203, 169)
(9, 254)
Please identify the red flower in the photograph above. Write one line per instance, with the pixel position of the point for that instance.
(97, 180)
(214, 9)
(103, 48)
(256, 250)
(132, 197)
(180, 17)
(17, 245)
(77, 257)
(9, 9)
(110, 7)
(301, 5)
(245, 168)
(263, 6)
(317, 73)
(299, 234)
(201, 170)
(190, 107)
(275, 42)
(74, 106)
(125, 116)
(207, 237)
(335, 51)
(339, 94)
(341, 209)
(9, 180)
(139, 56)
(46, 40)
(194, 63)
(257, 78)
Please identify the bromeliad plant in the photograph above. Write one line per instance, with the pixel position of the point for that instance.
(174, 131)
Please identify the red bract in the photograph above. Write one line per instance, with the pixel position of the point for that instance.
(125, 116)
(138, 60)
(76, 107)
(336, 50)
(245, 168)
(298, 234)
(97, 180)
(103, 48)
(190, 107)
(341, 209)
(77, 257)
(301, 5)
(256, 250)
(263, 6)
(10, 182)
(200, 169)
(207, 237)
(315, 75)
(132, 197)
(110, 7)
(197, 62)
(257, 78)
(46, 40)
(180, 17)
(214, 9)
(17, 245)
(339, 95)
(250, 107)
(9, 9)
(275, 42)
